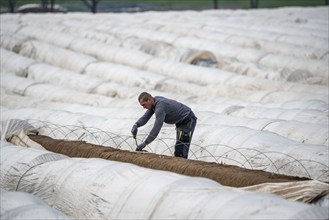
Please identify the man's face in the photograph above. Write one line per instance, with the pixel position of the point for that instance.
(148, 104)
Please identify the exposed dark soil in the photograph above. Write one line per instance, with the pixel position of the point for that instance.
(224, 174)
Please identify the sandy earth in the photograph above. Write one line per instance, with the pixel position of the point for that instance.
(227, 175)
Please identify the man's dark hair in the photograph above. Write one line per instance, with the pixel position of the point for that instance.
(144, 96)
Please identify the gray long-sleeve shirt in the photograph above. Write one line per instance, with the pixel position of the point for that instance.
(166, 110)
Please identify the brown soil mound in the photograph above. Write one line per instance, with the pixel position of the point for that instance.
(224, 174)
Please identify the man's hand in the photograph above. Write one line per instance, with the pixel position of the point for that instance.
(140, 147)
(134, 130)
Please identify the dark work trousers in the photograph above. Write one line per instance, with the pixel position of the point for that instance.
(184, 133)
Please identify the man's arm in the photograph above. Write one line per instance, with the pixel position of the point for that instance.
(142, 121)
(145, 118)
(160, 116)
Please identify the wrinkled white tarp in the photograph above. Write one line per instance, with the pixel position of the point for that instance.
(303, 191)
(22, 205)
(311, 191)
(228, 144)
(13, 127)
(16, 131)
(78, 57)
(235, 145)
(102, 189)
(155, 48)
(278, 61)
(28, 87)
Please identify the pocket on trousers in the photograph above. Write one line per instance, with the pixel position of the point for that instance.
(184, 135)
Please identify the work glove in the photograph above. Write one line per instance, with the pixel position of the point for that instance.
(140, 147)
(134, 130)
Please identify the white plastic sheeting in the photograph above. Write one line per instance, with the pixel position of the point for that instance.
(60, 57)
(222, 49)
(303, 132)
(21, 205)
(16, 131)
(45, 73)
(218, 41)
(310, 191)
(11, 179)
(138, 59)
(239, 67)
(11, 62)
(297, 114)
(31, 88)
(100, 189)
(128, 76)
(12, 127)
(237, 145)
(265, 106)
(296, 190)
(156, 48)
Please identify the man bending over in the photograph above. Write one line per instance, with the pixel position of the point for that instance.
(171, 112)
